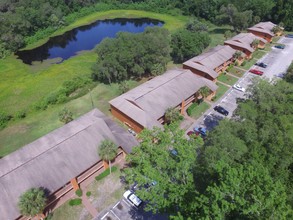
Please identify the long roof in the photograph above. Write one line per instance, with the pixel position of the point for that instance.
(244, 40)
(54, 159)
(263, 27)
(210, 60)
(148, 102)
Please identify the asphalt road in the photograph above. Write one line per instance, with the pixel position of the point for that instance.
(278, 61)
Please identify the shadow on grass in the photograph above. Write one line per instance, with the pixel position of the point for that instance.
(220, 30)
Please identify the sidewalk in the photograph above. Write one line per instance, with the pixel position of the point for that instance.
(89, 206)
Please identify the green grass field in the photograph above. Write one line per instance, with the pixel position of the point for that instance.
(197, 110)
(236, 72)
(220, 91)
(228, 79)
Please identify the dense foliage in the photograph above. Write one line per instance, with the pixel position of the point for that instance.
(32, 202)
(243, 170)
(187, 44)
(132, 55)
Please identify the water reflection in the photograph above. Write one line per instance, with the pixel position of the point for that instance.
(84, 38)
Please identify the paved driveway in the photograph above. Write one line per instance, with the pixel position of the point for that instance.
(278, 61)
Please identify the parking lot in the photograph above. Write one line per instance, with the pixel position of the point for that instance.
(124, 210)
(278, 61)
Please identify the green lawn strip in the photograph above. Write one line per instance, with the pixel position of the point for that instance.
(172, 23)
(220, 91)
(67, 212)
(236, 72)
(38, 123)
(248, 64)
(258, 54)
(228, 79)
(196, 110)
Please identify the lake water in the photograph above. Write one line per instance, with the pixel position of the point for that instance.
(84, 38)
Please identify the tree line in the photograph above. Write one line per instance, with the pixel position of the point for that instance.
(243, 170)
(26, 21)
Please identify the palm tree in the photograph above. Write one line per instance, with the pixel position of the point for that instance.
(107, 151)
(32, 202)
(204, 91)
(255, 43)
(237, 55)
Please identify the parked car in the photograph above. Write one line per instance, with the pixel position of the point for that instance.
(130, 196)
(261, 64)
(200, 130)
(239, 88)
(255, 71)
(280, 46)
(289, 35)
(221, 110)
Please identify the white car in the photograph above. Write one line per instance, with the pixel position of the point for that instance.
(239, 88)
(130, 196)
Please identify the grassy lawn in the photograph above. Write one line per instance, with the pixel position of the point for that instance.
(220, 91)
(67, 212)
(196, 110)
(248, 64)
(225, 78)
(236, 72)
(258, 54)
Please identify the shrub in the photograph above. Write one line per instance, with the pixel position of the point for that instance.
(243, 63)
(4, 119)
(20, 114)
(74, 202)
(78, 192)
(65, 116)
(105, 173)
(88, 193)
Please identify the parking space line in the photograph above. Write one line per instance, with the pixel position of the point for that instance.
(116, 205)
(104, 216)
(126, 203)
(115, 214)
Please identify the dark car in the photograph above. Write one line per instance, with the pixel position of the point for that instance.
(257, 72)
(221, 110)
(261, 64)
(280, 46)
(289, 35)
(200, 130)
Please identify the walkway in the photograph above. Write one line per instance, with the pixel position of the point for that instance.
(89, 206)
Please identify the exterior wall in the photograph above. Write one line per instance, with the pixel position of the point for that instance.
(199, 73)
(126, 120)
(262, 35)
(247, 52)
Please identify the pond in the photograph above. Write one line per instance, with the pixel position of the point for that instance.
(84, 38)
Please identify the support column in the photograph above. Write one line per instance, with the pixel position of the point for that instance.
(182, 107)
(105, 164)
(74, 184)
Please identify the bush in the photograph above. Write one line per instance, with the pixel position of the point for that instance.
(105, 173)
(20, 114)
(74, 202)
(243, 63)
(88, 193)
(4, 119)
(78, 192)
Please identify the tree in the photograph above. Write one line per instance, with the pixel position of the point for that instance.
(255, 43)
(195, 25)
(186, 44)
(237, 55)
(32, 202)
(289, 74)
(168, 158)
(107, 151)
(65, 116)
(228, 34)
(172, 115)
(204, 91)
